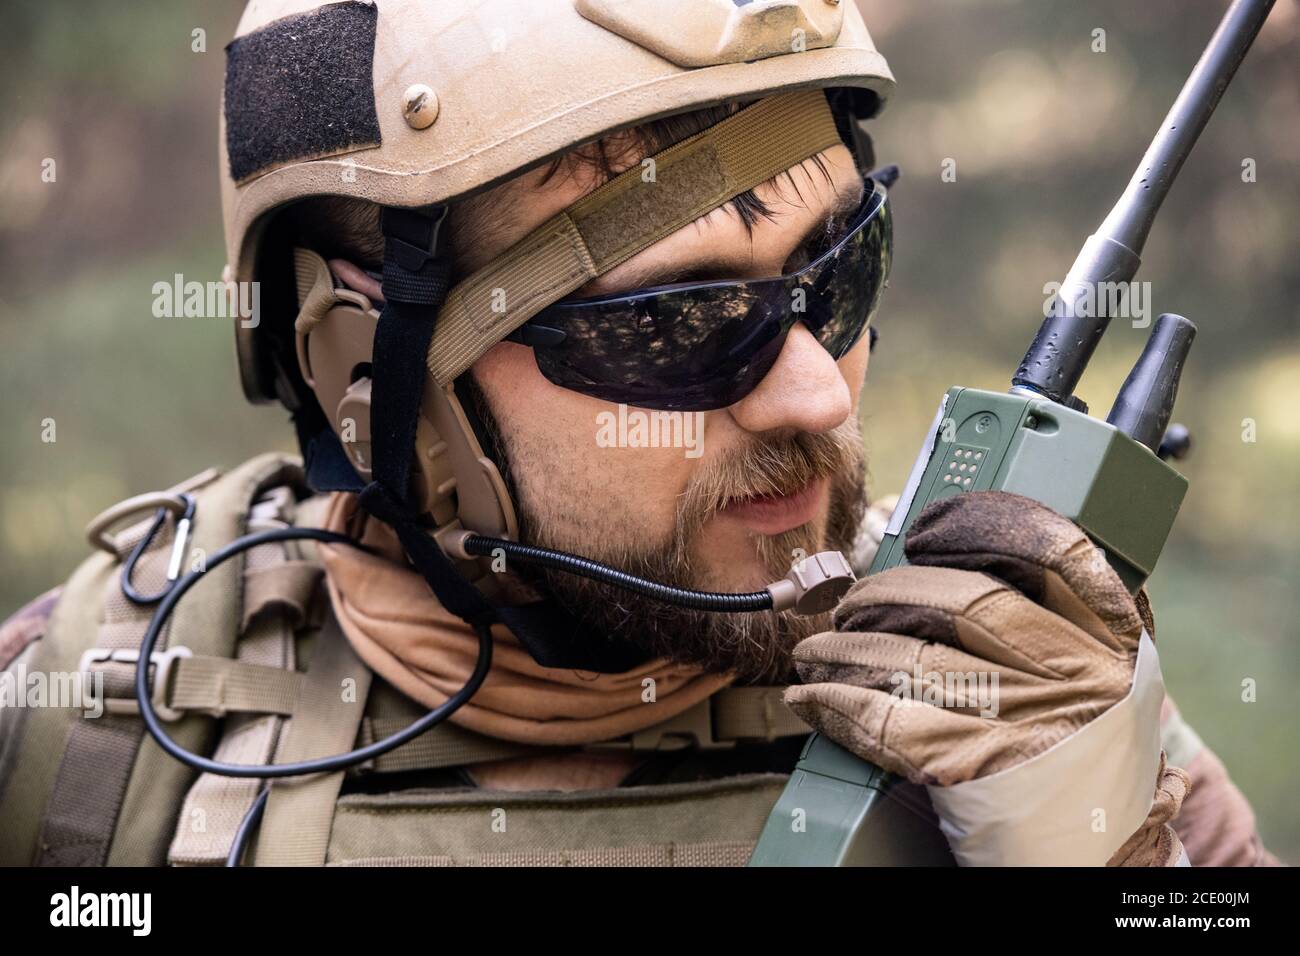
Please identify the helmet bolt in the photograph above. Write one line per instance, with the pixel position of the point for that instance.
(419, 106)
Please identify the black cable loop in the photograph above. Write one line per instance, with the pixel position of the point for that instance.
(475, 544)
(317, 765)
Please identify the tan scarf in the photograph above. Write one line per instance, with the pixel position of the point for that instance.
(399, 629)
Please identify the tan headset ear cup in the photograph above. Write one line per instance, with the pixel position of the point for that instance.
(452, 479)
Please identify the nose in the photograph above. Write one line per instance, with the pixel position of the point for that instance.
(804, 391)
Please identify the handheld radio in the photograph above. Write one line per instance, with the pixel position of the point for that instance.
(1037, 440)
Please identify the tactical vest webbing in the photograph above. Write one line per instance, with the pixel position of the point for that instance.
(118, 808)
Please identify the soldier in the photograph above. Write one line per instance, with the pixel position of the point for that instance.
(597, 277)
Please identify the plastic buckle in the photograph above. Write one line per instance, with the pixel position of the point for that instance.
(693, 727)
(414, 237)
(163, 663)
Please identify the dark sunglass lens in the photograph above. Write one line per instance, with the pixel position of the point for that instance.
(705, 347)
(684, 353)
(856, 280)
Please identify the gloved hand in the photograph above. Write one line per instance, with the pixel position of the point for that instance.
(1009, 670)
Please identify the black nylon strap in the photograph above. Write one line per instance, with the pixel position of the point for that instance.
(416, 279)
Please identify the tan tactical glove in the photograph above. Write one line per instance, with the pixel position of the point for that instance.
(983, 670)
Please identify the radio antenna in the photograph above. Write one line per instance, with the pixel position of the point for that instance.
(1060, 352)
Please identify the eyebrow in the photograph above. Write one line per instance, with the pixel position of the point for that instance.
(714, 266)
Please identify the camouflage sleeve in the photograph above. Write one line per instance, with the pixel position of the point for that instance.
(17, 635)
(26, 625)
(1215, 824)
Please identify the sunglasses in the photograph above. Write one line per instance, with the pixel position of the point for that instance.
(700, 346)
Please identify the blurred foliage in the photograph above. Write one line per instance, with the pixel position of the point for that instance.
(1044, 132)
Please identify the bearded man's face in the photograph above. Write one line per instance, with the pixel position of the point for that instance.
(740, 492)
(723, 500)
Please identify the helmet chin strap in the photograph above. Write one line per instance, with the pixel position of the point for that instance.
(416, 279)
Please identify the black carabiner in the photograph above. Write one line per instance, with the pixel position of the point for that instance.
(173, 566)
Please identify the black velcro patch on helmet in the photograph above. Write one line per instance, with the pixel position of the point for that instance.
(301, 87)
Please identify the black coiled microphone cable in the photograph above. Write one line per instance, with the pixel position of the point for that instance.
(595, 571)
(318, 765)
(474, 544)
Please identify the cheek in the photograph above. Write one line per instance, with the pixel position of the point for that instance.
(567, 478)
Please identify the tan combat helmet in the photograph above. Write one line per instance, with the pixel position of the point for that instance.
(406, 103)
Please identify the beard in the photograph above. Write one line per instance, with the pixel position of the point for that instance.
(754, 647)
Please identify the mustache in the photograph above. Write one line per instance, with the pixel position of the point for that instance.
(770, 468)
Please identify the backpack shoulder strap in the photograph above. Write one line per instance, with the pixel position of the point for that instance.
(326, 718)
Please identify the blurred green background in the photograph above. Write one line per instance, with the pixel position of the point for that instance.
(1044, 133)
